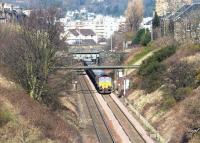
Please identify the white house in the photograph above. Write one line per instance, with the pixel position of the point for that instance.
(147, 23)
(81, 37)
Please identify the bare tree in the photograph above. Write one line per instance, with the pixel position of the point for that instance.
(134, 14)
(31, 52)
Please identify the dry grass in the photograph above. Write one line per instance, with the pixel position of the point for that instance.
(175, 122)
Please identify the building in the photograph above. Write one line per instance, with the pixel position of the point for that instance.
(163, 7)
(103, 26)
(81, 37)
(184, 24)
(10, 13)
(146, 23)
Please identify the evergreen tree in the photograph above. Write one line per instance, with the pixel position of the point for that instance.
(156, 21)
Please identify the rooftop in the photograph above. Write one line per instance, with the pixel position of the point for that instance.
(85, 32)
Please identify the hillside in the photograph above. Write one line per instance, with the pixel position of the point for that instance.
(166, 90)
(106, 7)
(24, 120)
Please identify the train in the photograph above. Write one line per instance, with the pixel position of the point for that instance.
(101, 80)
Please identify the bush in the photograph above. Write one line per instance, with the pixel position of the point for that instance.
(152, 69)
(137, 38)
(168, 100)
(5, 117)
(146, 38)
(142, 37)
(152, 64)
(182, 93)
(182, 75)
(152, 82)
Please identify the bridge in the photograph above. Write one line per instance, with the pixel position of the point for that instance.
(98, 67)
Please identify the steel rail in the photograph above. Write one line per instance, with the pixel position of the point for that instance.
(96, 128)
(100, 113)
(90, 112)
(124, 116)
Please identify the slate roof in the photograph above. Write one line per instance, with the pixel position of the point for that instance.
(74, 32)
(183, 11)
(87, 32)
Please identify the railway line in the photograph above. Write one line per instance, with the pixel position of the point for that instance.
(106, 108)
(102, 131)
(127, 126)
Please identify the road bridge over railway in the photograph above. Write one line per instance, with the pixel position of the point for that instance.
(97, 67)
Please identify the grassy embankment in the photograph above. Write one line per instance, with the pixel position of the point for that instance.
(166, 90)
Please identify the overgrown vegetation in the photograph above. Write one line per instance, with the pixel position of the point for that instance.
(142, 37)
(172, 83)
(5, 116)
(182, 80)
(152, 69)
(31, 53)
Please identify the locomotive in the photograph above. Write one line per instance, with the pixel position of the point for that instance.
(101, 80)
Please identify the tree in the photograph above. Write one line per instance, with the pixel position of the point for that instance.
(134, 14)
(156, 21)
(142, 37)
(31, 53)
(182, 75)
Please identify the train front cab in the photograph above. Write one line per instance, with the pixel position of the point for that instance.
(105, 85)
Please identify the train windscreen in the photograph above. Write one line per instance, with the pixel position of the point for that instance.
(98, 72)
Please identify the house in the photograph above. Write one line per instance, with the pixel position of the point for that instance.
(10, 13)
(184, 24)
(163, 7)
(146, 23)
(81, 37)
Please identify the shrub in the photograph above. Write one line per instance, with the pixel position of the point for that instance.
(168, 100)
(152, 82)
(146, 38)
(153, 62)
(152, 69)
(182, 75)
(137, 38)
(182, 93)
(142, 37)
(5, 117)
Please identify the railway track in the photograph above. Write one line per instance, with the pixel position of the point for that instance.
(127, 126)
(101, 129)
